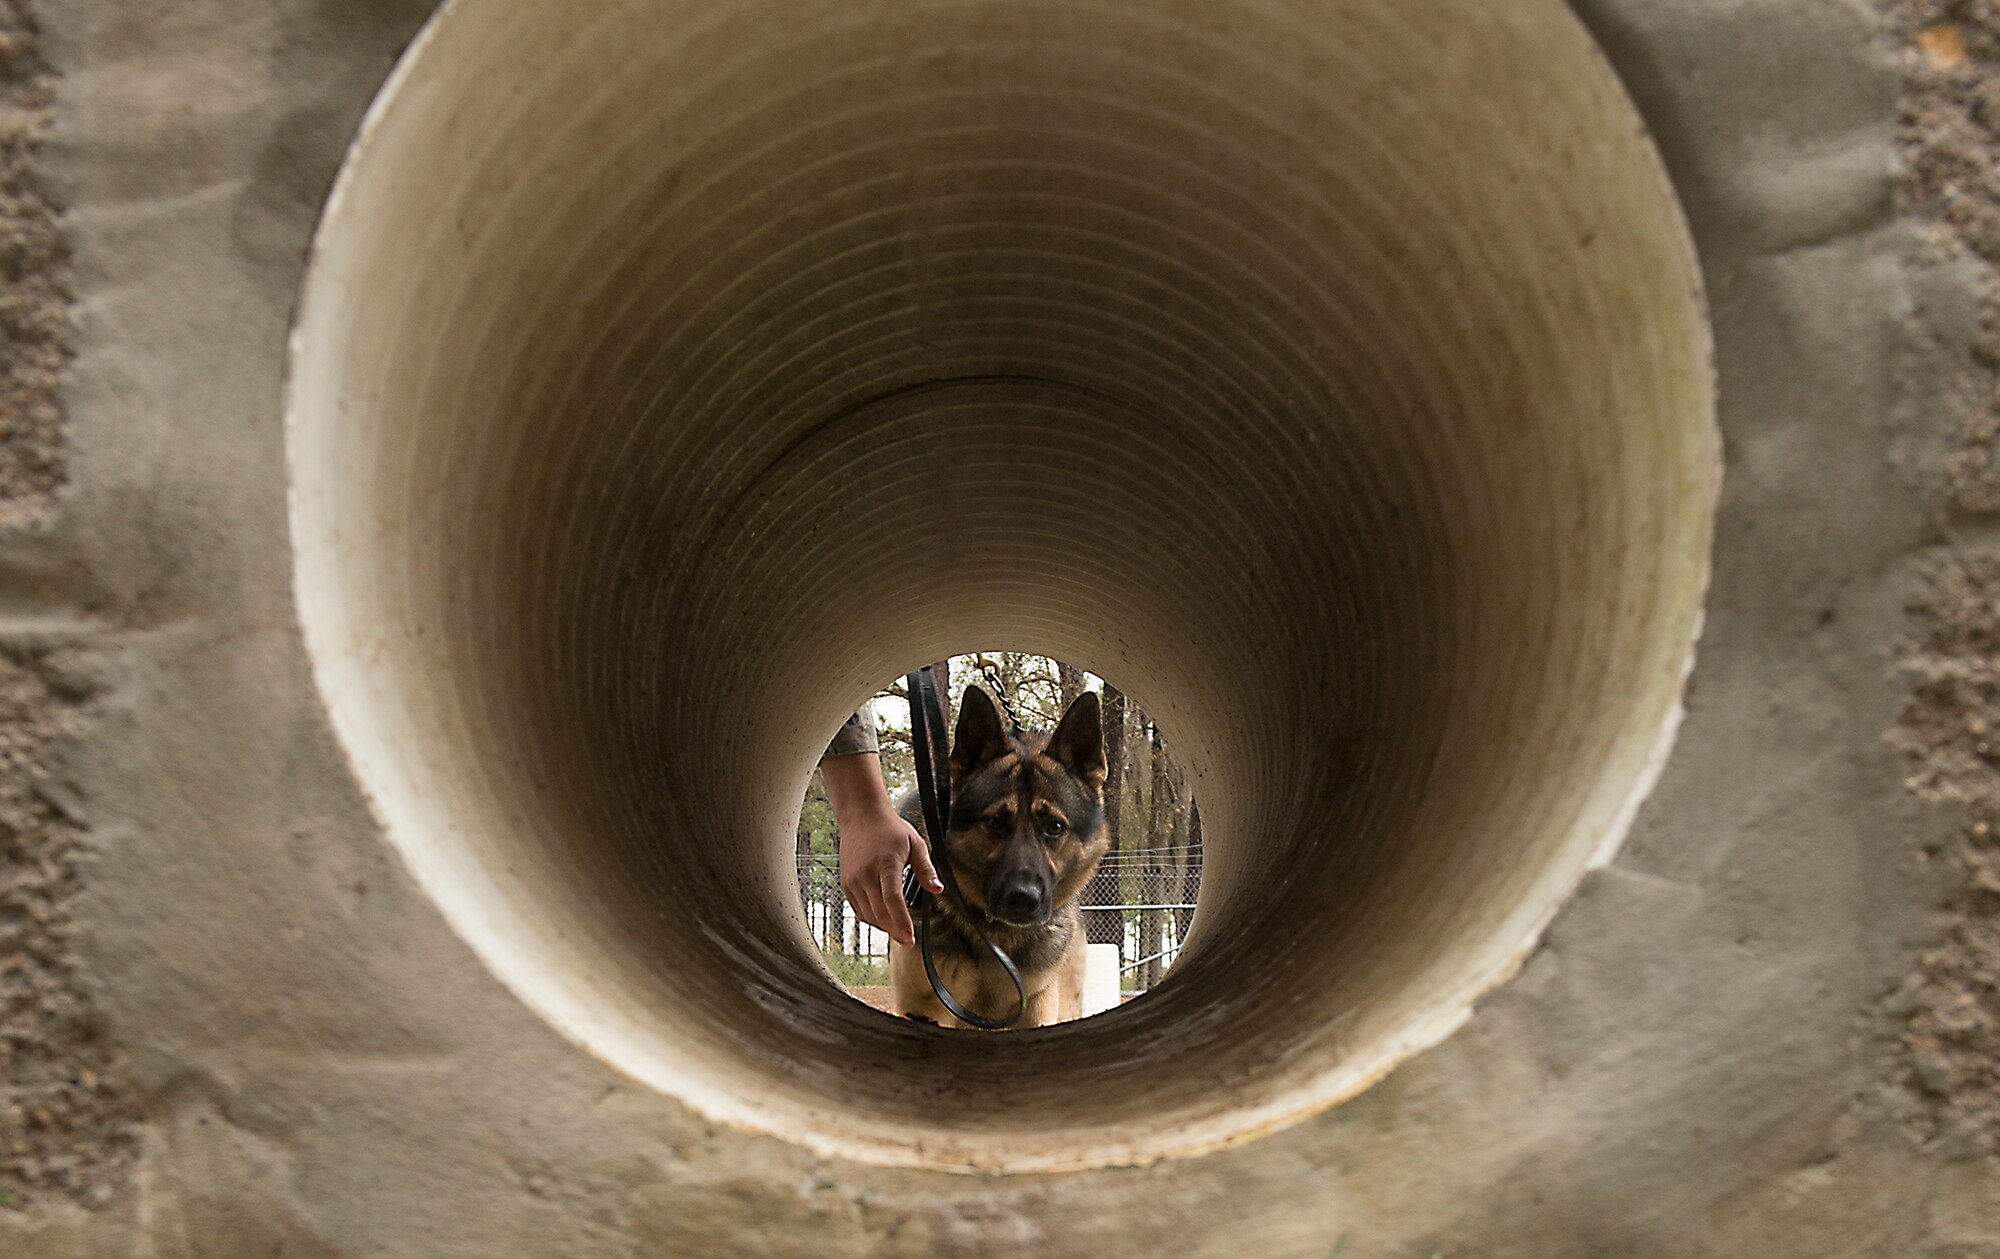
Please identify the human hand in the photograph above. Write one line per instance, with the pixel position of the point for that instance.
(874, 848)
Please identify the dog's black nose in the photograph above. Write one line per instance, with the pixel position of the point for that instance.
(1020, 900)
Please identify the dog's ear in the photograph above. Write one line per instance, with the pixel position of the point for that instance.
(1078, 741)
(979, 738)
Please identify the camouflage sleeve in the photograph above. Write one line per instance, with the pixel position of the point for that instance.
(858, 735)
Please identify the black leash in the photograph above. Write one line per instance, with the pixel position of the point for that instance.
(927, 737)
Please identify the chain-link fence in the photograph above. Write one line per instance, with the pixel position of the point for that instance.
(1143, 901)
(1150, 893)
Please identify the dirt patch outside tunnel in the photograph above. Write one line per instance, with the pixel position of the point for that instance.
(1948, 1070)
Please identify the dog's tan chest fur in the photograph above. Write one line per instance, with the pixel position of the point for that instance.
(1054, 993)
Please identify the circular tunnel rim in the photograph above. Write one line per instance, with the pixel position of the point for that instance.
(1424, 1031)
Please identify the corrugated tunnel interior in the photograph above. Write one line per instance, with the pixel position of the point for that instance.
(1333, 376)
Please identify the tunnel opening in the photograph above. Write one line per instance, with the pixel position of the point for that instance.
(1335, 375)
(1134, 912)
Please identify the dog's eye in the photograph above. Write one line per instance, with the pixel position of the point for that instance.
(1054, 827)
(997, 823)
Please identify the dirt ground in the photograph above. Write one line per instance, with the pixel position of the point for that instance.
(34, 267)
(64, 1126)
(1950, 730)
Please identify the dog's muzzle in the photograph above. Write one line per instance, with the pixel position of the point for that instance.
(1019, 901)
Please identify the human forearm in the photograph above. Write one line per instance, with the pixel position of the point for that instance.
(854, 788)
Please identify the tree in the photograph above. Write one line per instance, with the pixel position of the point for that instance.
(1069, 681)
(1159, 838)
(941, 674)
(1108, 926)
(809, 892)
(1178, 859)
(1190, 870)
(1027, 686)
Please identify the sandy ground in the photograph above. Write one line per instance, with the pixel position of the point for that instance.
(1950, 730)
(34, 270)
(64, 1128)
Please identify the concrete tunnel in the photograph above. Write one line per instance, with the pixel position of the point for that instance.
(666, 379)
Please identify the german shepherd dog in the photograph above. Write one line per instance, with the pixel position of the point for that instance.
(1025, 834)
